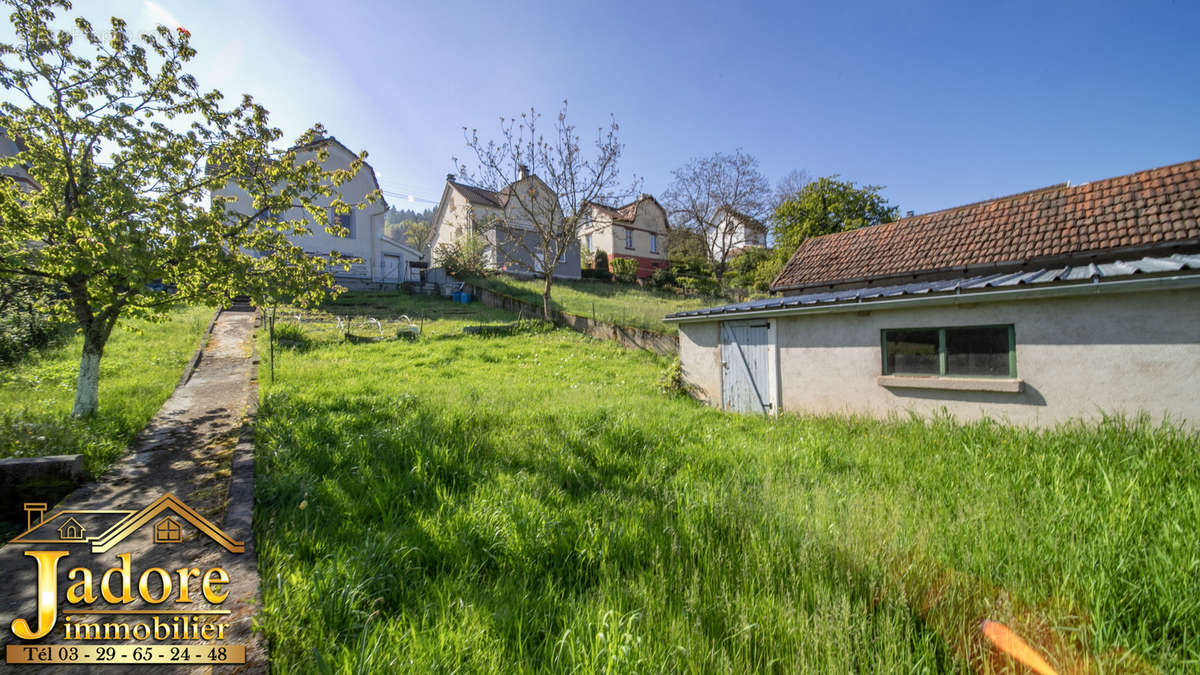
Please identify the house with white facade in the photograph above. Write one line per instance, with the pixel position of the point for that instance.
(637, 230)
(502, 220)
(1068, 302)
(735, 232)
(383, 261)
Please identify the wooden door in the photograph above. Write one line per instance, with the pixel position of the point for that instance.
(393, 269)
(745, 358)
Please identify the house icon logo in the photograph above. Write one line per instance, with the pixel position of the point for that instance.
(167, 514)
(71, 530)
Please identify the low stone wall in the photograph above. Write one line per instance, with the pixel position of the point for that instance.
(627, 336)
(36, 479)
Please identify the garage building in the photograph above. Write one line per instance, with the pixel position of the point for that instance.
(1068, 302)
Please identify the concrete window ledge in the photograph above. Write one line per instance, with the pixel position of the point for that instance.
(1003, 385)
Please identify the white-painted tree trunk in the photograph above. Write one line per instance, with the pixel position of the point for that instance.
(87, 386)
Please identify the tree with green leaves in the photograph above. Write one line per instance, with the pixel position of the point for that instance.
(124, 149)
(417, 234)
(824, 206)
(752, 269)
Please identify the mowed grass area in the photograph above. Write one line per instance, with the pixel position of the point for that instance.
(537, 503)
(140, 368)
(623, 304)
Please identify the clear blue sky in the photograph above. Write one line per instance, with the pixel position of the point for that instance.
(943, 103)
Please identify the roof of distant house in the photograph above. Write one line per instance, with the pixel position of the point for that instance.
(478, 195)
(628, 212)
(1153, 211)
(747, 221)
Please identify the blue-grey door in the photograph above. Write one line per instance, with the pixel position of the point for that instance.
(745, 362)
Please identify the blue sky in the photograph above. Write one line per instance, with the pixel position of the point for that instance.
(941, 103)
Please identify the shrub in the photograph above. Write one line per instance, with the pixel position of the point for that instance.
(671, 381)
(466, 257)
(625, 269)
(701, 285)
(662, 278)
(24, 323)
(588, 273)
(600, 262)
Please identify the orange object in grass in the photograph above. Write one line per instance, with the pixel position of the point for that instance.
(1010, 643)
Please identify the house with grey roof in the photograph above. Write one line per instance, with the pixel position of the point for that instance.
(501, 219)
(1068, 302)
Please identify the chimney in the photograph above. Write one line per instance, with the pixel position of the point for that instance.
(449, 178)
(30, 509)
(522, 172)
(643, 196)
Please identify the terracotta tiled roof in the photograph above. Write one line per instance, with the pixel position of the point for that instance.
(1147, 210)
(626, 213)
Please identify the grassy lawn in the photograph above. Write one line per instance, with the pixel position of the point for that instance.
(141, 366)
(537, 503)
(622, 304)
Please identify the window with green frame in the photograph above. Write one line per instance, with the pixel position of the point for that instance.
(957, 351)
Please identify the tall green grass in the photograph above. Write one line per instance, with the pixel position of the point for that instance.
(537, 503)
(621, 304)
(140, 368)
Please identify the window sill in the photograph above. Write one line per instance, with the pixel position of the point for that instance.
(1000, 384)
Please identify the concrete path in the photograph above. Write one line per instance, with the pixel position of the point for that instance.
(199, 448)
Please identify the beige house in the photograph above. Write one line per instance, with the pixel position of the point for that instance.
(385, 261)
(1069, 302)
(637, 230)
(503, 221)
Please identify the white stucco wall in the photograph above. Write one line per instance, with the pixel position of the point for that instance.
(1078, 357)
(367, 241)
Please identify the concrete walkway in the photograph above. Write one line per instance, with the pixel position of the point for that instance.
(199, 448)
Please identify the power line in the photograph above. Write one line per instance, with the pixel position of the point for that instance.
(408, 196)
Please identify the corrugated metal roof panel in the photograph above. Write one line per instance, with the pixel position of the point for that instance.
(1173, 263)
(1191, 261)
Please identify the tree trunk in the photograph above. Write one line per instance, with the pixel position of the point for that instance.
(87, 386)
(546, 296)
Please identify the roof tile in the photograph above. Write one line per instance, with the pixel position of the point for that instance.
(1148, 208)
